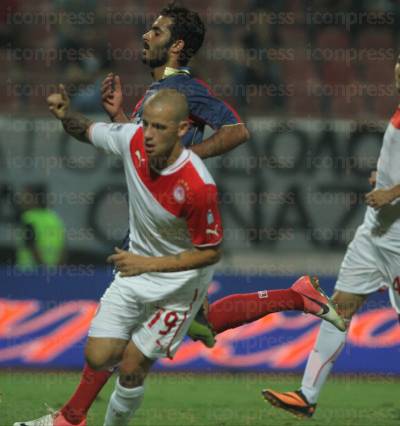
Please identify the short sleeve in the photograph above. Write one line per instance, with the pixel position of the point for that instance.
(206, 107)
(113, 138)
(203, 218)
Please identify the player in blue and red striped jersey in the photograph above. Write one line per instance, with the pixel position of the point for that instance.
(173, 39)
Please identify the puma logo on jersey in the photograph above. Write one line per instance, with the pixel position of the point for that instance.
(213, 231)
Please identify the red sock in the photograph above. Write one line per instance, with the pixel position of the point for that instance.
(91, 384)
(238, 309)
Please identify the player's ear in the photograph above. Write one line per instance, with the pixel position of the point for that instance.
(183, 127)
(177, 46)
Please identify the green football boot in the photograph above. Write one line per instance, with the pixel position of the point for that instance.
(200, 329)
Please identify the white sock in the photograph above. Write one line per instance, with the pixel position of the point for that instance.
(329, 345)
(123, 404)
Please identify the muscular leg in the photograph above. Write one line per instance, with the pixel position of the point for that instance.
(233, 311)
(102, 353)
(238, 309)
(129, 390)
(304, 295)
(328, 346)
(99, 353)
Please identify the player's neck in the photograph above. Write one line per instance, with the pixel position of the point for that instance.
(158, 72)
(161, 163)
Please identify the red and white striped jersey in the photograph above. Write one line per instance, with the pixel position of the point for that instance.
(386, 221)
(170, 211)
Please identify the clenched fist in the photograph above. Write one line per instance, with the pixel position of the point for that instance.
(59, 103)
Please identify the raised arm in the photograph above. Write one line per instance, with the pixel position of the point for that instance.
(74, 123)
(112, 97)
(205, 107)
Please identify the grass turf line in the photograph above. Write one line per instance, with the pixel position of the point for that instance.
(214, 399)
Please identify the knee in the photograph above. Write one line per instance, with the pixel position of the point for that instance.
(132, 379)
(134, 367)
(132, 372)
(99, 359)
(95, 361)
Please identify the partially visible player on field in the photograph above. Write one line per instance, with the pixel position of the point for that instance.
(41, 236)
(371, 261)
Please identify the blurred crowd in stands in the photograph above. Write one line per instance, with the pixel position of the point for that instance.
(290, 58)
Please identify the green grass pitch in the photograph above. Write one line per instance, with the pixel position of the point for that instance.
(212, 400)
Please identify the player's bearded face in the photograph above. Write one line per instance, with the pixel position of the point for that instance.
(156, 56)
(156, 43)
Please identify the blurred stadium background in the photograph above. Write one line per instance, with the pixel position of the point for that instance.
(314, 82)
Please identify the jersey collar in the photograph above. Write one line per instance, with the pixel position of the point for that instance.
(176, 165)
(169, 71)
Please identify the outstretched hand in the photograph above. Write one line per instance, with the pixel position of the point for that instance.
(111, 95)
(59, 103)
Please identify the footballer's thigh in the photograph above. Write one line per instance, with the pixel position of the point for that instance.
(394, 298)
(118, 314)
(390, 254)
(361, 273)
(166, 325)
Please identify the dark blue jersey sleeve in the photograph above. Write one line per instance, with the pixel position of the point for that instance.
(205, 107)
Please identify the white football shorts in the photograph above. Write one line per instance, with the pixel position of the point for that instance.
(157, 328)
(371, 263)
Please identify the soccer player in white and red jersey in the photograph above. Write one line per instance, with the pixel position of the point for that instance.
(175, 234)
(175, 36)
(372, 261)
